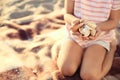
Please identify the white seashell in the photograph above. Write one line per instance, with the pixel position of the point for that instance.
(85, 31)
(88, 29)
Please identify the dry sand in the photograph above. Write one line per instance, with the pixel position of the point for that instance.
(30, 36)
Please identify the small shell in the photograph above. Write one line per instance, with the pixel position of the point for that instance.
(85, 31)
(90, 24)
(93, 32)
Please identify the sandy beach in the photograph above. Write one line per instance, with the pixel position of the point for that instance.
(30, 35)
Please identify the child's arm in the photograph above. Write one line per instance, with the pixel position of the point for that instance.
(69, 8)
(69, 17)
(112, 22)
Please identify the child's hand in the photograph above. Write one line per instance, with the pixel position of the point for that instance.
(79, 35)
(98, 31)
(75, 28)
(76, 25)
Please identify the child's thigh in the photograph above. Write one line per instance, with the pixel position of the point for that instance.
(93, 59)
(70, 54)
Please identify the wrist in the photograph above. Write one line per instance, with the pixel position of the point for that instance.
(98, 29)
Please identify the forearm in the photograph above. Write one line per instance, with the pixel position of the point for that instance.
(112, 22)
(109, 59)
(107, 25)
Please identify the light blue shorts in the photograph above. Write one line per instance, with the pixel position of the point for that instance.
(104, 44)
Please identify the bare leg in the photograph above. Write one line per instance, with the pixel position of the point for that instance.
(97, 64)
(92, 63)
(69, 57)
(109, 59)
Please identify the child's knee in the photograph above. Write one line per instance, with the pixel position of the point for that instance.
(68, 70)
(90, 75)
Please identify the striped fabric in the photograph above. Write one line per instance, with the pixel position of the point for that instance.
(96, 11)
(116, 4)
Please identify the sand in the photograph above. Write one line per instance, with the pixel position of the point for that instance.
(30, 35)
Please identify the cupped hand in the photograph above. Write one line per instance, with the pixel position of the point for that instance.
(80, 36)
(98, 31)
(76, 25)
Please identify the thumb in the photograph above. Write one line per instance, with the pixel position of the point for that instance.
(76, 27)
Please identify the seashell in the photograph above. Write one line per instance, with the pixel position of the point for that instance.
(85, 30)
(93, 32)
(90, 24)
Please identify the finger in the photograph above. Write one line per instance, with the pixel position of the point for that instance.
(97, 34)
(85, 38)
(81, 20)
(75, 33)
(80, 25)
(80, 37)
(76, 22)
(76, 27)
(91, 37)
